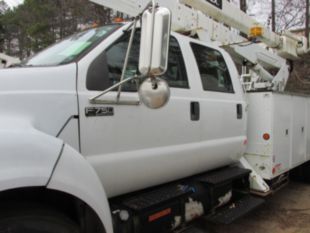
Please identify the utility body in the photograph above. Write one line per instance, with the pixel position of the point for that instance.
(81, 155)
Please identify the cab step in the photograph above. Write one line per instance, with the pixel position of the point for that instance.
(236, 210)
(156, 197)
(225, 175)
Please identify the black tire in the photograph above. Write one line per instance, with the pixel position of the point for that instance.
(306, 172)
(35, 219)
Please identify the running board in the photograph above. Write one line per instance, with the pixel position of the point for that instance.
(225, 175)
(192, 229)
(236, 210)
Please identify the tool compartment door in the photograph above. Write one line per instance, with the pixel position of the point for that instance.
(299, 143)
(282, 133)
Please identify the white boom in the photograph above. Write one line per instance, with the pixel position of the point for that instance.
(291, 46)
(219, 22)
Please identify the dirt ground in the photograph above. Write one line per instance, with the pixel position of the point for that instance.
(287, 211)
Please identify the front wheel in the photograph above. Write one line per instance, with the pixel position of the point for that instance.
(34, 219)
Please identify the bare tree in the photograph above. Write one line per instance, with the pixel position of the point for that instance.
(290, 14)
(273, 15)
(307, 20)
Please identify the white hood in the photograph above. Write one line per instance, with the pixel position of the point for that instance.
(43, 96)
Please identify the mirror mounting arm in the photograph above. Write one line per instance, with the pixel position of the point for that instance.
(127, 57)
(94, 99)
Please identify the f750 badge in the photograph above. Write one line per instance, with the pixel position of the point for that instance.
(99, 111)
(217, 3)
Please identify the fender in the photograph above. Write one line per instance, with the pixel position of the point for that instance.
(74, 175)
(27, 156)
(31, 158)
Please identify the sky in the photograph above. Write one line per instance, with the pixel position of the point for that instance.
(13, 3)
(258, 9)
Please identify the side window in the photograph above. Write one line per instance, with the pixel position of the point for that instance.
(115, 60)
(176, 74)
(213, 69)
(106, 69)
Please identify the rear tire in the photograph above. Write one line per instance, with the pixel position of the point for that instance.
(302, 173)
(35, 219)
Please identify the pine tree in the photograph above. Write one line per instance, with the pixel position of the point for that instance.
(36, 24)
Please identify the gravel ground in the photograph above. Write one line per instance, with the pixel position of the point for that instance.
(287, 211)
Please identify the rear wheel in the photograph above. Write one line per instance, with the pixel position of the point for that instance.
(301, 173)
(34, 219)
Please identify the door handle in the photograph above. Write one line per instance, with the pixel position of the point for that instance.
(239, 111)
(195, 111)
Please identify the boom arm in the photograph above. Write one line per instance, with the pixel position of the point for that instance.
(219, 22)
(199, 15)
(129, 7)
(289, 46)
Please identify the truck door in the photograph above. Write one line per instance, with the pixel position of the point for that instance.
(222, 104)
(130, 146)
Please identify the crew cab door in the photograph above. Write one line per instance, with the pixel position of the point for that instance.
(130, 146)
(222, 104)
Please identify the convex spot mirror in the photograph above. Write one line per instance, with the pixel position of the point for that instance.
(154, 49)
(154, 93)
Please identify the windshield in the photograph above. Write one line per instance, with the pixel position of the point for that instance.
(70, 48)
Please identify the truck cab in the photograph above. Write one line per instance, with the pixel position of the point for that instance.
(96, 152)
(202, 127)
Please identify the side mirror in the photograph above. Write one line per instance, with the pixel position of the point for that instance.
(154, 92)
(155, 36)
(154, 50)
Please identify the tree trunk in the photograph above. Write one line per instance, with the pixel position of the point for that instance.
(273, 15)
(307, 21)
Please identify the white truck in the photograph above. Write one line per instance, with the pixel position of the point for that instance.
(7, 61)
(80, 153)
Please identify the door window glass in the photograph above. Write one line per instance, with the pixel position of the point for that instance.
(106, 70)
(213, 69)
